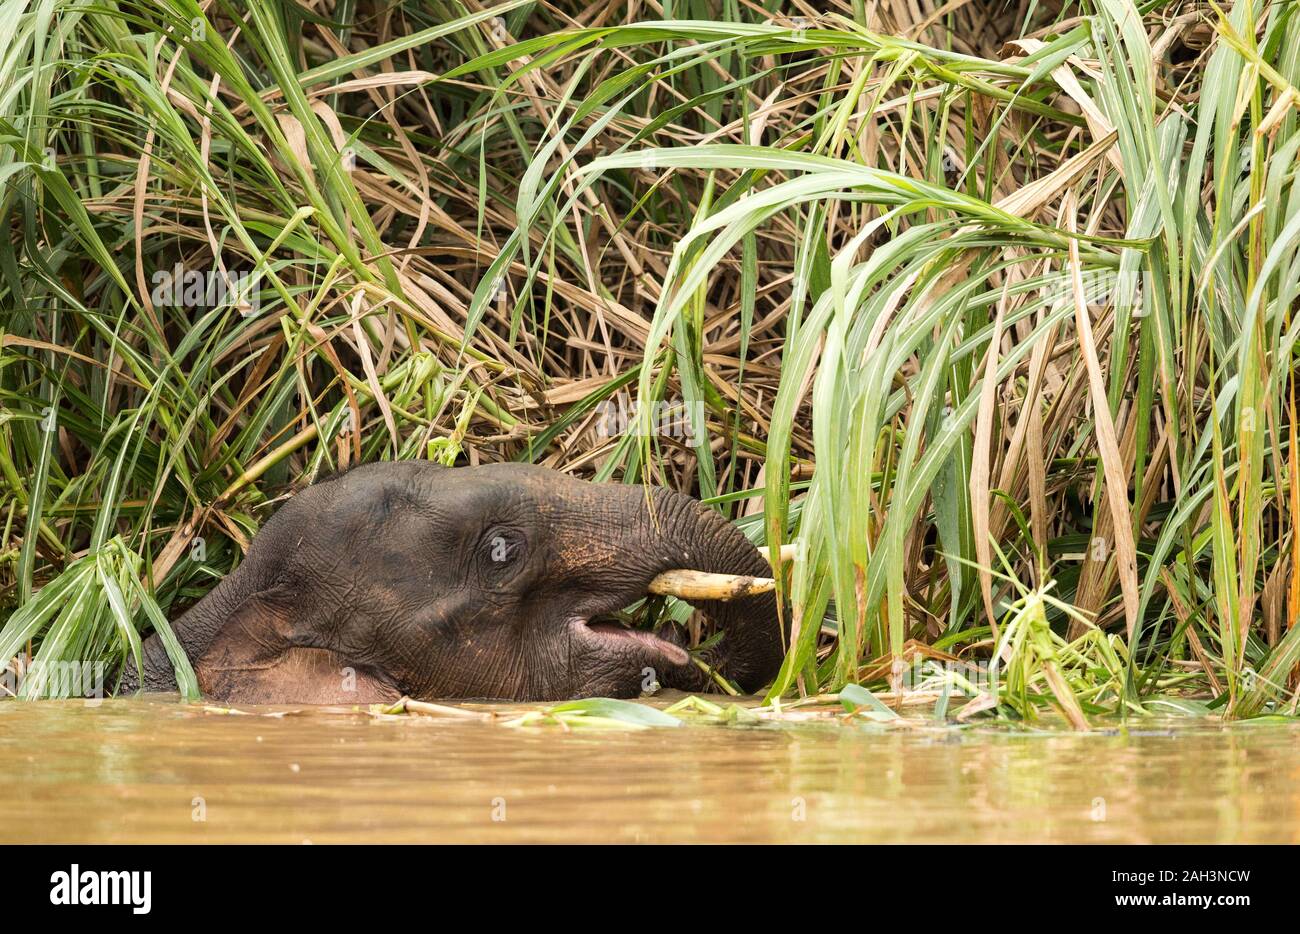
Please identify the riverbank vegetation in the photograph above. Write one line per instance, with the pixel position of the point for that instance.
(985, 307)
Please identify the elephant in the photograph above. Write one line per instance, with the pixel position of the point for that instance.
(483, 582)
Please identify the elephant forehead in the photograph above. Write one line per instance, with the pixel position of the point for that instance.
(376, 499)
(365, 497)
(475, 491)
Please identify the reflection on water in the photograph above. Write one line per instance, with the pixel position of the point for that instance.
(153, 770)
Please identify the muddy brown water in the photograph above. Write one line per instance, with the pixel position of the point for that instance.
(154, 770)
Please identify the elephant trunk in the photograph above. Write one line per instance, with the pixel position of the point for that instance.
(687, 534)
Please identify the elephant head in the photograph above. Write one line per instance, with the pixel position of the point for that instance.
(469, 582)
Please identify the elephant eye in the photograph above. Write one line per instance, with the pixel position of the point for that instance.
(501, 549)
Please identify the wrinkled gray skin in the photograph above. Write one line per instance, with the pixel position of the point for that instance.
(470, 582)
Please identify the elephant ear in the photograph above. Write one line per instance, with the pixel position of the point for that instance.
(257, 657)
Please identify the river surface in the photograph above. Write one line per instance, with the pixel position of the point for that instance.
(159, 771)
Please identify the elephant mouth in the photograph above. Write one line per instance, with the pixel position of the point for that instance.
(612, 637)
(688, 553)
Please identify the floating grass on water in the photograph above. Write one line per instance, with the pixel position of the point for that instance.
(406, 705)
(698, 709)
(596, 713)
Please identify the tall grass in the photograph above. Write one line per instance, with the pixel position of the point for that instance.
(989, 307)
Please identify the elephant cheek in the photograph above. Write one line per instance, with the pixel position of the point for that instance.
(480, 665)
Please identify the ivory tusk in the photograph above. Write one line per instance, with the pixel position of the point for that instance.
(701, 585)
(787, 552)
